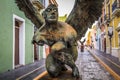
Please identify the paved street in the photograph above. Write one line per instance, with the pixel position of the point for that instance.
(90, 69)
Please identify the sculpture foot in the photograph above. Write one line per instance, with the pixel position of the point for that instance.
(53, 74)
(75, 73)
(64, 68)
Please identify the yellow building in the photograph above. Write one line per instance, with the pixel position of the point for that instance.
(91, 36)
(112, 22)
(88, 39)
(62, 18)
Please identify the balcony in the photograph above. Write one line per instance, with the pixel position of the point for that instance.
(116, 8)
(106, 18)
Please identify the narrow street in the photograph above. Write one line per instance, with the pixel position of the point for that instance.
(33, 29)
(89, 68)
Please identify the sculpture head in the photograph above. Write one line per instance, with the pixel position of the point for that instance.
(51, 14)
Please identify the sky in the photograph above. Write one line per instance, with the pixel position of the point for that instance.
(65, 6)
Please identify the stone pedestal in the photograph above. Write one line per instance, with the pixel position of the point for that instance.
(63, 76)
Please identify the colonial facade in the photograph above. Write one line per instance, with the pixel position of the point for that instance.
(112, 19)
(91, 37)
(16, 33)
(108, 29)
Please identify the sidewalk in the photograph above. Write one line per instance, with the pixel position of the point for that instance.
(27, 72)
(112, 58)
(108, 61)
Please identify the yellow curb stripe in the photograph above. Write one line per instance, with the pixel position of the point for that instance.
(41, 75)
(29, 72)
(115, 75)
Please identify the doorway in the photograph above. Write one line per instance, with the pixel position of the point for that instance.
(36, 48)
(105, 45)
(18, 41)
(17, 26)
(36, 52)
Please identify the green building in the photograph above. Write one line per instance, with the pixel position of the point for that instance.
(16, 33)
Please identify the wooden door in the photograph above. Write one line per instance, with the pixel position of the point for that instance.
(36, 52)
(104, 44)
(16, 43)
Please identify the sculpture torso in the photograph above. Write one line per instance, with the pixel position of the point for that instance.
(59, 32)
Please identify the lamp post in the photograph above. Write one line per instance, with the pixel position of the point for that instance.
(110, 34)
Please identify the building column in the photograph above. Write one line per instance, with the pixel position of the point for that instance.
(119, 46)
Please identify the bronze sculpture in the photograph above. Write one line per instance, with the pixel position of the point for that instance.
(60, 36)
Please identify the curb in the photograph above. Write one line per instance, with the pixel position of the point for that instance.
(113, 73)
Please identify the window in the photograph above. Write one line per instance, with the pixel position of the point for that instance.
(109, 10)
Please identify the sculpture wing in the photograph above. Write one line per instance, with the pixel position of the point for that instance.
(83, 14)
(32, 10)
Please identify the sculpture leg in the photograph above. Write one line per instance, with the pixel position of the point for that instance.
(52, 66)
(64, 68)
(75, 71)
(67, 59)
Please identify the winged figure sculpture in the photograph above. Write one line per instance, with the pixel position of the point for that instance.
(60, 36)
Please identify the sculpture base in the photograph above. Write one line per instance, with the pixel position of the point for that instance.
(67, 75)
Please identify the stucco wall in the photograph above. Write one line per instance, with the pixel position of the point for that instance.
(7, 9)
